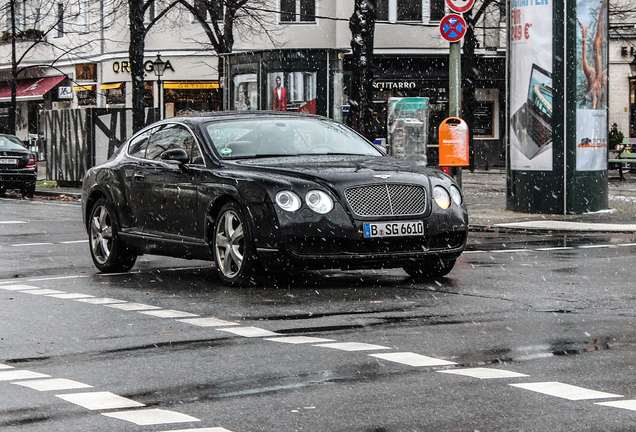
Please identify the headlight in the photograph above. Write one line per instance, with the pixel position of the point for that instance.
(288, 201)
(319, 201)
(441, 197)
(456, 195)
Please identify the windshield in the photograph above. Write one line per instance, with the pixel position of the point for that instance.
(255, 138)
(10, 143)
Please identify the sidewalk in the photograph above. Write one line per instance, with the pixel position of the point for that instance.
(485, 194)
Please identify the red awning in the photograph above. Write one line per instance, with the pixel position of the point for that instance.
(29, 89)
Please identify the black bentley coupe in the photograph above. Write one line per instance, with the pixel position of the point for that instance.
(266, 192)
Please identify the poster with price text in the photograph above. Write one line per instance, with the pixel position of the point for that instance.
(531, 85)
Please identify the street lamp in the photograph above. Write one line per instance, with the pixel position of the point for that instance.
(158, 67)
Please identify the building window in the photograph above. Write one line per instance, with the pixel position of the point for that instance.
(84, 15)
(438, 10)
(59, 25)
(210, 11)
(409, 10)
(149, 15)
(298, 10)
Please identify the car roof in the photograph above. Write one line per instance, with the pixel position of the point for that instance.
(204, 117)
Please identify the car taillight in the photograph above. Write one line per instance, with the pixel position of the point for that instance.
(32, 163)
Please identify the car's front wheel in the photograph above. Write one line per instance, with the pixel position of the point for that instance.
(430, 268)
(110, 254)
(234, 252)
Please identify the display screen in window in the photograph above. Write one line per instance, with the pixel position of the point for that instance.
(292, 91)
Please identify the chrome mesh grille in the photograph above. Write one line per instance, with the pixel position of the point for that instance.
(387, 199)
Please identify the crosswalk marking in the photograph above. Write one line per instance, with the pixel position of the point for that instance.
(152, 417)
(70, 296)
(20, 374)
(100, 301)
(18, 287)
(299, 339)
(99, 400)
(169, 313)
(484, 373)
(209, 429)
(565, 391)
(53, 384)
(249, 331)
(132, 306)
(352, 346)
(412, 359)
(43, 291)
(3, 366)
(624, 404)
(207, 322)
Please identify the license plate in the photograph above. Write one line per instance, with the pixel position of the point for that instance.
(393, 229)
(5, 161)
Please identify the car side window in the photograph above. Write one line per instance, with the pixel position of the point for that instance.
(173, 137)
(138, 145)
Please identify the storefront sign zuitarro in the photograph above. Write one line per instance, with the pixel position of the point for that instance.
(124, 66)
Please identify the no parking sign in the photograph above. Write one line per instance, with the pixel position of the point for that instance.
(452, 27)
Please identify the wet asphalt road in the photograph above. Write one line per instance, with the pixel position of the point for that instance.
(528, 333)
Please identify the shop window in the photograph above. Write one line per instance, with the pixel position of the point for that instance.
(297, 11)
(292, 91)
(116, 96)
(245, 92)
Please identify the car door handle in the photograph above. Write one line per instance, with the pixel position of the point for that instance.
(139, 176)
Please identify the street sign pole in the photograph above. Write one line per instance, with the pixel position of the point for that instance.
(455, 94)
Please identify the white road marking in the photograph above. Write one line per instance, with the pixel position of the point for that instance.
(56, 278)
(624, 404)
(169, 313)
(565, 391)
(32, 244)
(352, 346)
(99, 400)
(100, 301)
(43, 291)
(132, 306)
(299, 339)
(70, 296)
(412, 359)
(210, 429)
(511, 250)
(74, 241)
(484, 373)
(207, 322)
(152, 417)
(20, 374)
(555, 248)
(52, 384)
(3, 366)
(597, 247)
(250, 331)
(18, 287)
(12, 222)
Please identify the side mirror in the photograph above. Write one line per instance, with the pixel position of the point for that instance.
(175, 155)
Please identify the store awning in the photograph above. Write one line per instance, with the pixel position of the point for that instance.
(191, 84)
(29, 89)
(86, 87)
(111, 86)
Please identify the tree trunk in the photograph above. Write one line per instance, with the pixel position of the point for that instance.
(136, 54)
(362, 26)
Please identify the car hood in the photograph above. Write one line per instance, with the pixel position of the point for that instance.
(344, 169)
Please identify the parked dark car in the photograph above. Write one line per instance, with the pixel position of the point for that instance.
(266, 192)
(18, 166)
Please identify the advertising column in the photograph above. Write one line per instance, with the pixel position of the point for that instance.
(557, 118)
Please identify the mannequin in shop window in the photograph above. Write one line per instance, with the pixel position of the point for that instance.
(279, 98)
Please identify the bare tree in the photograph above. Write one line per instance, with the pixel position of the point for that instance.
(362, 26)
(138, 30)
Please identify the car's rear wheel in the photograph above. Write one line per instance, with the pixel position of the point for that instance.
(28, 190)
(430, 268)
(3, 189)
(234, 252)
(110, 254)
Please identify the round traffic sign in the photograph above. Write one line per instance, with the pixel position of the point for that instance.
(452, 27)
(460, 6)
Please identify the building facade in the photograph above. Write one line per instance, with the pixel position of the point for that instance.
(77, 53)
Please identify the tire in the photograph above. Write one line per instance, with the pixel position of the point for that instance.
(428, 269)
(110, 254)
(3, 189)
(28, 191)
(233, 247)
